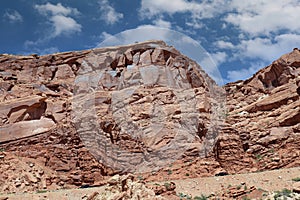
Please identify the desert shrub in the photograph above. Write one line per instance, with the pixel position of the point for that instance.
(296, 179)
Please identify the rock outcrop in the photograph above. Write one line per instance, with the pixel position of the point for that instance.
(264, 111)
(76, 118)
(90, 114)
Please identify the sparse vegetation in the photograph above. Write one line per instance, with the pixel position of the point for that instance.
(283, 193)
(41, 191)
(296, 179)
(167, 185)
(265, 194)
(202, 197)
(184, 196)
(140, 178)
(169, 172)
(272, 150)
(246, 198)
(260, 189)
(258, 157)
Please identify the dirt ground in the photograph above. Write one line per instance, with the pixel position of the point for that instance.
(274, 180)
(269, 181)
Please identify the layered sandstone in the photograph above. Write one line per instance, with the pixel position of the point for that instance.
(72, 119)
(264, 111)
(85, 115)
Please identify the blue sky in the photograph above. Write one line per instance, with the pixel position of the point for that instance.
(240, 36)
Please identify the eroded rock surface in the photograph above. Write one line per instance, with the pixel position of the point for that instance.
(83, 116)
(90, 114)
(144, 107)
(264, 111)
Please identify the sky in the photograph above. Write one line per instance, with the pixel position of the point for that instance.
(241, 37)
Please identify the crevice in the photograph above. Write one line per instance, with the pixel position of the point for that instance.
(54, 73)
(54, 87)
(52, 118)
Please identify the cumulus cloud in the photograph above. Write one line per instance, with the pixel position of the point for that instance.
(13, 16)
(104, 35)
(162, 23)
(58, 9)
(64, 25)
(265, 31)
(204, 9)
(194, 23)
(109, 14)
(259, 17)
(267, 49)
(59, 18)
(244, 73)
(262, 51)
(219, 57)
(224, 45)
(253, 17)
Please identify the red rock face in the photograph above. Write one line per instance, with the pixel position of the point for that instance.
(264, 110)
(71, 119)
(143, 106)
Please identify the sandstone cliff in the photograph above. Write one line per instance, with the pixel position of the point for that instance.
(72, 119)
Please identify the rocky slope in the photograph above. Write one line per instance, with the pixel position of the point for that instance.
(73, 119)
(264, 110)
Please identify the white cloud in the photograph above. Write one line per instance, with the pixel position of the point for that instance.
(219, 57)
(210, 63)
(263, 30)
(58, 9)
(205, 9)
(162, 23)
(109, 14)
(224, 45)
(64, 25)
(13, 16)
(262, 17)
(244, 73)
(263, 50)
(194, 23)
(267, 49)
(253, 17)
(58, 16)
(104, 35)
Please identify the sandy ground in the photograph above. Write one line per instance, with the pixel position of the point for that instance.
(269, 180)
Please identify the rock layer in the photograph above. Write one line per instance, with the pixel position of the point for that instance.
(82, 116)
(264, 111)
(141, 108)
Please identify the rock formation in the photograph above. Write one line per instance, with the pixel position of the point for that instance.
(264, 112)
(73, 119)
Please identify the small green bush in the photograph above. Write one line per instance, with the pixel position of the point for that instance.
(283, 193)
(246, 198)
(184, 196)
(41, 191)
(202, 197)
(296, 179)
